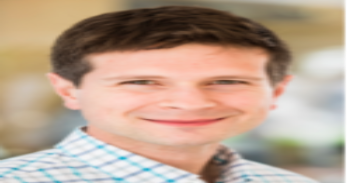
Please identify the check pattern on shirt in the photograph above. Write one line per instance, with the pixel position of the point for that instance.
(81, 158)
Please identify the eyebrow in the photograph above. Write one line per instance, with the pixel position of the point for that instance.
(161, 77)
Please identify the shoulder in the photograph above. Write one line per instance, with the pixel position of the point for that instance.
(29, 163)
(273, 174)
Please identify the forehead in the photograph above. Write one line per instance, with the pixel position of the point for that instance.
(190, 58)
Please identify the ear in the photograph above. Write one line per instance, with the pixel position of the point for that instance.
(279, 89)
(65, 89)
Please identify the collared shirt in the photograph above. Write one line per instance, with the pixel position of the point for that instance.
(80, 158)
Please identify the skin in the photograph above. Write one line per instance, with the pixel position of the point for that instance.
(173, 105)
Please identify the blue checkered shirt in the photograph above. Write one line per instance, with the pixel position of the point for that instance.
(81, 158)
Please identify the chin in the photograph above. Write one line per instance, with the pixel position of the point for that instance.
(187, 142)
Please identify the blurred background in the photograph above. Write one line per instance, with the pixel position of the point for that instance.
(305, 133)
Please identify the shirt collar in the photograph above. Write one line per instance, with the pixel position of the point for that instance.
(129, 167)
(233, 168)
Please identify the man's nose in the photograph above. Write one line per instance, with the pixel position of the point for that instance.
(187, 98)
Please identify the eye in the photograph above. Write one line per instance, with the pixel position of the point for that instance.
(227, 82)
(139, 82)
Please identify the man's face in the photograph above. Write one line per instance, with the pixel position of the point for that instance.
(188, 95)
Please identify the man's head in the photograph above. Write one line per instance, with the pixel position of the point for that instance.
(174, 76)
(158, 28)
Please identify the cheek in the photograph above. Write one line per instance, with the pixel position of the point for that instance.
(248, 100)
(104, 103)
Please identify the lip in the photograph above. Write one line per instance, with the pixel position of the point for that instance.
(199, 122)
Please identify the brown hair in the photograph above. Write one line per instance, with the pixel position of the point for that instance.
(163, 27)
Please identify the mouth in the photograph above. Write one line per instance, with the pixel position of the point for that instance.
(198, 122)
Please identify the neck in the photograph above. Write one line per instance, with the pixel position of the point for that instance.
(189, 158)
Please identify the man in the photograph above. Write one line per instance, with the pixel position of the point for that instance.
(160, 89)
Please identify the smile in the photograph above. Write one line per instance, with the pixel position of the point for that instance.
(199, 122)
